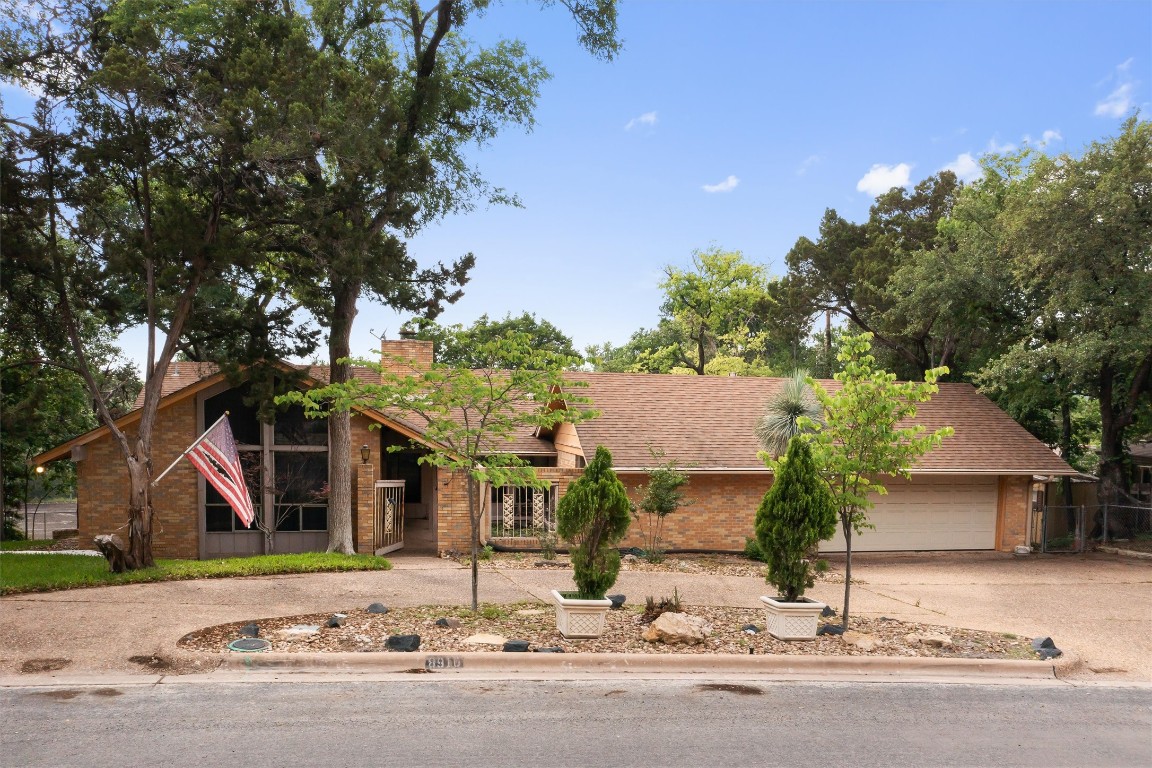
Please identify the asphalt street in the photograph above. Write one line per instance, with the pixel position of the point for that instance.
(577, 723)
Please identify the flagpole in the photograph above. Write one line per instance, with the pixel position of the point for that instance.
(194, 444)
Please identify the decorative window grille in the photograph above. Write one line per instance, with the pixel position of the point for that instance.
(523, 512)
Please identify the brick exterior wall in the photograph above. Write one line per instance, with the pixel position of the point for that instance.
(1013, 505)
(363, 497)
(721, 515)
(102, 487)
(363, 508)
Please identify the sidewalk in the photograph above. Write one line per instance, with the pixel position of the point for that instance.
(1097, 607)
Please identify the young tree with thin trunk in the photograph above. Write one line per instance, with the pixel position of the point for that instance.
(867, 434)
(469, 415)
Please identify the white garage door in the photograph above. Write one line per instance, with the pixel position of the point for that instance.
(929, 513)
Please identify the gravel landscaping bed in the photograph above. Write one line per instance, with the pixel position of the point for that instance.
(715, 564)
(536, 624)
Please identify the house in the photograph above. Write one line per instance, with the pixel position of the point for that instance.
(971, 493)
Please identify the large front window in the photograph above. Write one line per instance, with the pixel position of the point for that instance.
(285, 467)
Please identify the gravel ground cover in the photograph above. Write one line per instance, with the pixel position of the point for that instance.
(536, 623)
(447, 629)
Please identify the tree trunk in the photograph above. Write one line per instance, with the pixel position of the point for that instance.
(474, 535)
(139, 554)
(344, 295)
(1112, 429)
(847, 573)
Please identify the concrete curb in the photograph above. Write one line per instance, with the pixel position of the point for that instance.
(552, 666)
(1126, 552)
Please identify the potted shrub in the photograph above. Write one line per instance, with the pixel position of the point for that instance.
(797, 513)
(593, 517)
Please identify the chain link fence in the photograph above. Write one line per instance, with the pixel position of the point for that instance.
(1070, 529)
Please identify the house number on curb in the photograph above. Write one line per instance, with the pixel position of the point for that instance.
(443, 662)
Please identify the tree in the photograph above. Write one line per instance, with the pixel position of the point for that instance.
(467, 413)
(133, 176)
(594, 515)
(454, 345)
(660, 497)
(715, 305)
(382, 99)
(1079, 234)
(867, 435)
(849, 271)
(796, 514)
(783, 411)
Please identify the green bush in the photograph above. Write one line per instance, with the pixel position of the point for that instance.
(594, 515)
(797, 513)
(752, 550)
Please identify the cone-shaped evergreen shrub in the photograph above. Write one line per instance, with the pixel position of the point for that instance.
(797, 513)
(594, 515)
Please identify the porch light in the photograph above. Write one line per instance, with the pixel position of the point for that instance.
(365, 454)
(40, 470)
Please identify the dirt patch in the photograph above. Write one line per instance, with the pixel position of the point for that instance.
(37, 666)
(107, 693)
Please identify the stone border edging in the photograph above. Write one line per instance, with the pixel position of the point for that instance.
(1125, 552)
(516, 664)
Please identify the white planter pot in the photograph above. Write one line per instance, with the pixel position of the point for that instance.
(580, 618)
(791, 621)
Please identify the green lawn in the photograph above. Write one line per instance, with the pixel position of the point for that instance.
(43, 573)
(18, 544)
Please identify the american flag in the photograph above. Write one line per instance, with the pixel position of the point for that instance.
(215, 455)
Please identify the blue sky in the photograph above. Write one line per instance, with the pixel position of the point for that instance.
(735, 123)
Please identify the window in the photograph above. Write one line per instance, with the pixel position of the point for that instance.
(285, 467)
(523, 512)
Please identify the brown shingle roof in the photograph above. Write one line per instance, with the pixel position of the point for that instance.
(707, 422)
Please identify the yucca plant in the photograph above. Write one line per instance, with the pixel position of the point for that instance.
(781, 419)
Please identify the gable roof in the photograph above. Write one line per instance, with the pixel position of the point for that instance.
(706, 423)
(700, 422)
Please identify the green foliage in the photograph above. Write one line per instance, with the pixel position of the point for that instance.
(867, 435)
(459, 346)
(753, 550)
(781, 420)
(718, 317)
(796, 514)
(660, 497)
(47, 572)
(468, 416)
(593, 515)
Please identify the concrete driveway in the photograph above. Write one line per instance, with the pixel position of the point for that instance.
(1098, 607)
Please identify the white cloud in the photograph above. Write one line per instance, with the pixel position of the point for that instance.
(647, 119)
(997, 148)
(1121, 100)
(881, 178)
(809, 162)
(1046, 138)
(727, 185)
(965, 167)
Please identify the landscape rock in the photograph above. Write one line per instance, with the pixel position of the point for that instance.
(448, 621)
(629, 559)
(617, 601)
(403, 642)
(830, 629)
(300, 630)
(828, 612)
(550, 650)
(250, 630)
(486, 640)
(377, 608)
(930, 639)
(751, 629)
(336, 620)
(673, 628)
(1046, 648)
(862, 641)
(516, 646)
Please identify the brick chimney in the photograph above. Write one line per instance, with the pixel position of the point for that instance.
(407, 354)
